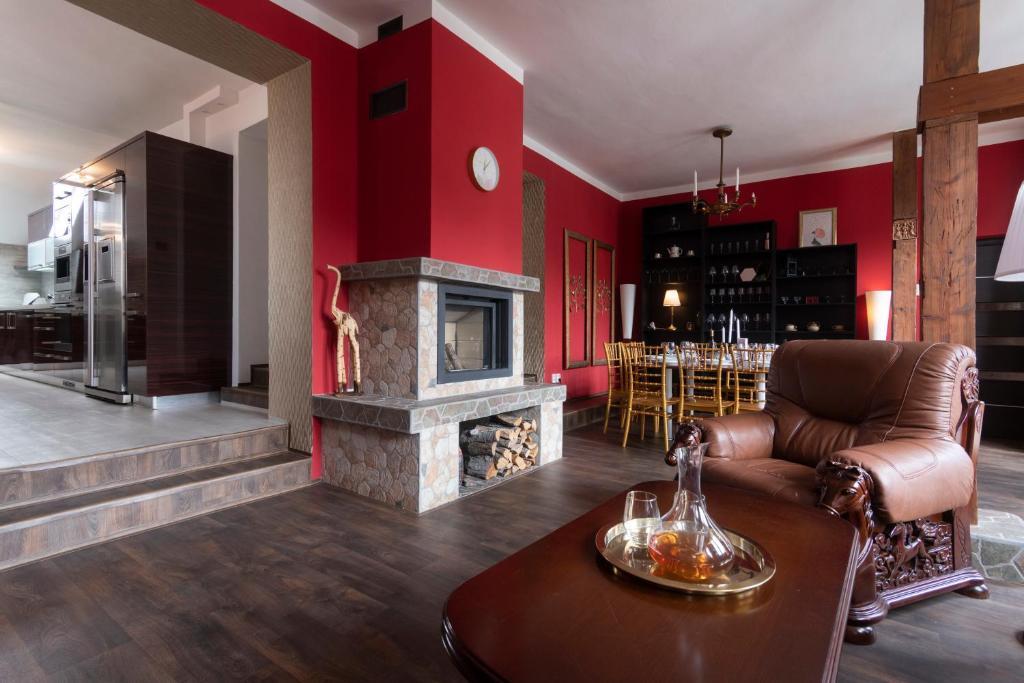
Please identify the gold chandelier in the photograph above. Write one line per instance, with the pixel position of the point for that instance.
(721, 206)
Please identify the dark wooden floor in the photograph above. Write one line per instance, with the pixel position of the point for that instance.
(322, 585)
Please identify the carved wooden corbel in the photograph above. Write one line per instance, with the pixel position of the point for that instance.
(845, 491)
(904, 229)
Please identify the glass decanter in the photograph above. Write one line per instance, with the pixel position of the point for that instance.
(690, 545)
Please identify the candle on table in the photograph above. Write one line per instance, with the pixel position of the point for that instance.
(737, 181)
(695, 184)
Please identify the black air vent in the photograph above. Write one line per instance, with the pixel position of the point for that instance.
(389, 28)
(390, 100)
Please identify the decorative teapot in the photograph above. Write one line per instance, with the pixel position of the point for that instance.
(675, 251)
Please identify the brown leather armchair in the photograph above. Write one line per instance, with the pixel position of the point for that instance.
(883, 434)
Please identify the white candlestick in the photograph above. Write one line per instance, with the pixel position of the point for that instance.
(737, 181)
(695, 184)
(723, 335)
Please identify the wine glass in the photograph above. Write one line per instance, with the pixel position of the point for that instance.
(712, 273)
(735, 273)
(641, 516)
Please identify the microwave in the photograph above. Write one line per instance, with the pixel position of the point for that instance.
(40, 255)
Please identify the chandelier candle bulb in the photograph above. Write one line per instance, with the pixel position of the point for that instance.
(737, 183)
(694, 184)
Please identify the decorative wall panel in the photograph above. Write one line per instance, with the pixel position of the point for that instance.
(603, 287)
(533, 264)
(290, 252)
(577, 271)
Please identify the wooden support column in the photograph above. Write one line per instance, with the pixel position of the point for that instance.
(950, 222)
(904, 235)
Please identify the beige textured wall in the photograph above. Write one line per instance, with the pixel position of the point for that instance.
(290, 252)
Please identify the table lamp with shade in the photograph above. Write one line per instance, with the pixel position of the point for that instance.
(1011, 257)
(671, 301)
(878, 313)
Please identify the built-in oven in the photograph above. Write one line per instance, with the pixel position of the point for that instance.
(68, 233)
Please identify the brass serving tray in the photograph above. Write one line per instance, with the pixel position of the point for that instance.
(753, 566)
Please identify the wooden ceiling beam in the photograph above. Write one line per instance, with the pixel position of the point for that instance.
(993, 95)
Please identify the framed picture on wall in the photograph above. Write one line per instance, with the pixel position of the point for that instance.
(603, 289)
(817, 228)
(578, 299)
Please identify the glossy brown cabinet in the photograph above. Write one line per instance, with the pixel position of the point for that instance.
(178, 261)
(15, 337)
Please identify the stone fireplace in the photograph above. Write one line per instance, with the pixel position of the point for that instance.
(441, 346)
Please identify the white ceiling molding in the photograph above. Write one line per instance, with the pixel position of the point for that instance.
(320, 19)
(443, 16)
(567, 165)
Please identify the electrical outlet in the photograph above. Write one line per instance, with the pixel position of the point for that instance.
(556, 378)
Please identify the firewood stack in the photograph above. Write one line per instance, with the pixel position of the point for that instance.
(501, 448)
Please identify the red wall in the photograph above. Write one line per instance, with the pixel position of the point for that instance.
(416, 194)
(474, 103)
(572, 204)
(394, 151)
(1000, 174)
(333, 65)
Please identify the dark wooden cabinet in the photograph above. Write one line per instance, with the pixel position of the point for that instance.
(1000, 334)
(816, 286)
(718, 268)
(178, 251)
(15, 337)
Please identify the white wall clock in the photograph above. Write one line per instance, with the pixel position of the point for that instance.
(485, 169)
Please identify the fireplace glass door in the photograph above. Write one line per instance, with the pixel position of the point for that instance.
(468, 343)
(475, 336)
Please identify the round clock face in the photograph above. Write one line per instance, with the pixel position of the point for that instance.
(485, 169)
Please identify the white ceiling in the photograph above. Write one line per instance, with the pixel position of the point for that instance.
(628, 92)
(74, 85)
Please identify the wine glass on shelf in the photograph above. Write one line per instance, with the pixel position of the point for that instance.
(732, 294)
(712, 274)
(735, 273)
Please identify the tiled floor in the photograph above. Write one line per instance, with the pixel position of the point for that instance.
(40, 424)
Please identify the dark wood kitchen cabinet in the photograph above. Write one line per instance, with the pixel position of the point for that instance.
(55, 336)
(178, 253)
(15, 337)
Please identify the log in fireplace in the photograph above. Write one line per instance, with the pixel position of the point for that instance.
(475, 339)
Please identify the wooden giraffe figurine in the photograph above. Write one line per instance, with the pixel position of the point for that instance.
(347, 329)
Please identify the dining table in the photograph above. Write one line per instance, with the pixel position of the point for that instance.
(672, 366)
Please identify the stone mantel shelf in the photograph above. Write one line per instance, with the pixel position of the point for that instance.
(435, 269)
(412, 416)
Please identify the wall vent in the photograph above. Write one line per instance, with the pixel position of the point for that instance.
(390, 100)
(389, 28)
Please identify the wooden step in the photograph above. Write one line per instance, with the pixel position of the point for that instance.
(580, 412)
(33, 532)
(259, 376)
(246, 395)
(48, 481)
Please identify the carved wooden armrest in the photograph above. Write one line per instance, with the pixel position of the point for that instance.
(732, 437)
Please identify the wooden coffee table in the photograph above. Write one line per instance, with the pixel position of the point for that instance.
(556, 611)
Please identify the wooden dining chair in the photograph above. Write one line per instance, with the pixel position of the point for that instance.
(747, 377)
(647, 393)
(616, 352)
(702, 386)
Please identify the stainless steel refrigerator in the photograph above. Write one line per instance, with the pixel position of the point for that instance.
(106, 364)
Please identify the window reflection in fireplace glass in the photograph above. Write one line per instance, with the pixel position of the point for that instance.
(467, 331)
